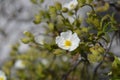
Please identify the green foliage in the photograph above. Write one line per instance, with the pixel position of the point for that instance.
(48, 61)
(115, 69)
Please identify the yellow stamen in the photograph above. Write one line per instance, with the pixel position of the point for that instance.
(68, 43)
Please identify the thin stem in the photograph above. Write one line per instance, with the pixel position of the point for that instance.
(97, 67)
(53, 59)
(111, 42)
(64, 77)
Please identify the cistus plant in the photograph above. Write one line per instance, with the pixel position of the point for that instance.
(67, 50)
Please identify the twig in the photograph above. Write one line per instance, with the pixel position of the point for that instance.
(64, 77)
(97, 67)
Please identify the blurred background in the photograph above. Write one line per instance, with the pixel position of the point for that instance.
(16, 16)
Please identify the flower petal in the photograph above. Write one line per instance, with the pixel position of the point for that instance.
(66, 35)
(60, 42)
(75, 38)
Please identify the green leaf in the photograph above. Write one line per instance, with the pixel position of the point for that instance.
(105, 27)
(100, 33)
(107, 37)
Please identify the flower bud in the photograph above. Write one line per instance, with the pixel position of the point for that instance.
(37, 19)
(28, 34)
(64, 10)
(58, 6)
(25, 40)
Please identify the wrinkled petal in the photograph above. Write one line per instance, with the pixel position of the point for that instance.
(59, 39)
(66, 35)
(60, 42)
(75, 38)
(74, 46)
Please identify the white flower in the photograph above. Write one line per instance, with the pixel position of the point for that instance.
(71, 5)
(19, 64)
(68, 41)
(2, 75)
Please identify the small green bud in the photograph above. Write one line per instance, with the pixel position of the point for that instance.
(28, 34)
(70, 13)
(15, 47)
(34, 1)
(64, 10)
(58, 6)
(51, 26)
(57, 51)
(37, 19)
(41, 1)
(52, 10)
(25, 40)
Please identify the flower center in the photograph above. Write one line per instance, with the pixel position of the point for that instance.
(68, 43)
(1, 78)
